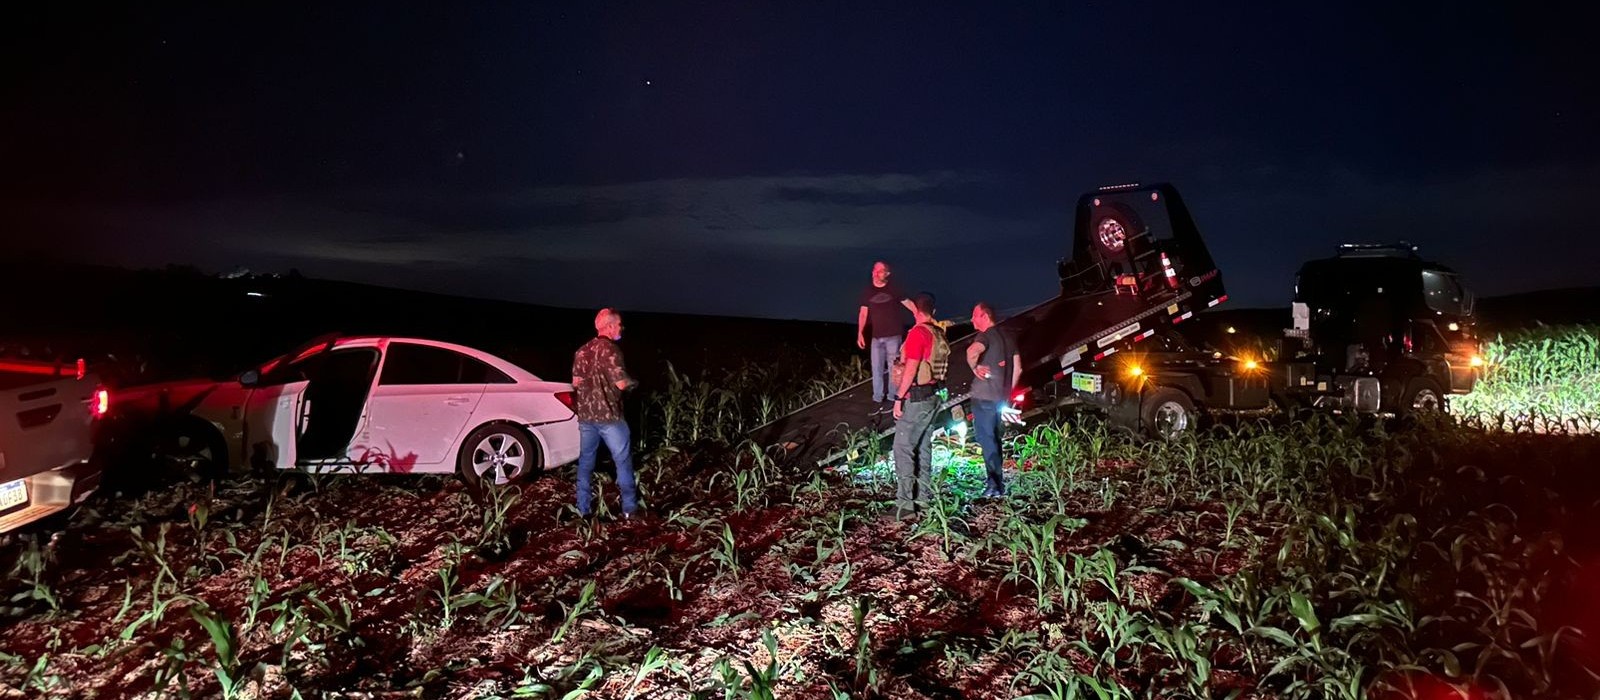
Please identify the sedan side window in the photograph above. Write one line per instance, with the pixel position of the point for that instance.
(408, 363)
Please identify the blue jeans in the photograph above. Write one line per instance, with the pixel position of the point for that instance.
(617, 438)
(986, 423)
(884, 351)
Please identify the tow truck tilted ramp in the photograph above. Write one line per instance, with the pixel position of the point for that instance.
(1138, 265)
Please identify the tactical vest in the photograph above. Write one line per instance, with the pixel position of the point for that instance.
(933, 371)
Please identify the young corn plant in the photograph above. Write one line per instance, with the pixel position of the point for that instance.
(494, 540)
(726, 553)
(1036, 558)
(225, 645)
(1189, 650)
(575, 612)
(31, 569)
(498, 600)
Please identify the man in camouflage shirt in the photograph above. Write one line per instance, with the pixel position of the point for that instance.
(598, 380)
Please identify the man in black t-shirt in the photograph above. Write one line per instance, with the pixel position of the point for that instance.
(885, 306)
(996, 369)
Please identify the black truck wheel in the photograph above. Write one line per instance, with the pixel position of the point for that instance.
(1422, 395)
(1166, 413)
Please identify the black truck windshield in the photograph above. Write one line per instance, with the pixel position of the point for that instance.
(1444, 294)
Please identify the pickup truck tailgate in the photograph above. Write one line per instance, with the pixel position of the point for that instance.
(45, 426)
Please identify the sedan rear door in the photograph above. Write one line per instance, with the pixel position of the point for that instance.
(421, 405)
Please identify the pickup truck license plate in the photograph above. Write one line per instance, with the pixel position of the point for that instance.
(1086, 382)
(13, 493)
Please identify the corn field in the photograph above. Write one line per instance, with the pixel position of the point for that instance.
(1326, 558)
(1545, 378)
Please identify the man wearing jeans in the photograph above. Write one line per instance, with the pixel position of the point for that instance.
(925, 356)
(881, 302)
(598, 381)
(996, 368)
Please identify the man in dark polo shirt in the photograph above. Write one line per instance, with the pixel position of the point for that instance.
(996, 368)
(881, 312)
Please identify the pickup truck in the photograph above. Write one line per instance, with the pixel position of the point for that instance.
(48, 412)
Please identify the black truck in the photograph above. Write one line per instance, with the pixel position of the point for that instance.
(1375, 329)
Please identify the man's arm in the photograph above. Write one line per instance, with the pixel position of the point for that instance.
(906, 375)
(614, 370)
(1016, 369)
(909, 306)
(974, 352)
(861, 328)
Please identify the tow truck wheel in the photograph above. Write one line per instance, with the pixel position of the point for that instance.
(1422, 396)
(1166, 413)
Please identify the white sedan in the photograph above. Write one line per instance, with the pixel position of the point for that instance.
(370, 404)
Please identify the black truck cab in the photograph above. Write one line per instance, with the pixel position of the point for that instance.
(1382, 312)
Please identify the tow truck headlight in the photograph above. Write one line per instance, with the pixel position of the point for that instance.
(1250, 365)
(1476, 361)
(1136, 371)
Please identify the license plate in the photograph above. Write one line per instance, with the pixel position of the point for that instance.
(1086, 382)
(13, 493)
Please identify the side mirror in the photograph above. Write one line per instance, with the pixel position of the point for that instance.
(250, 378)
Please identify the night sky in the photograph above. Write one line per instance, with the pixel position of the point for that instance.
(736, 158)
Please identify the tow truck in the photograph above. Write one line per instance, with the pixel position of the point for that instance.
(1375, 329)
(1137, 264)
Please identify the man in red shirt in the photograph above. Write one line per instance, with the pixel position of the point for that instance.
(924, 355)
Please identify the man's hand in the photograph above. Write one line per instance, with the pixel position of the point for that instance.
(897, 410)
(861, 341)
(981, 371)
(622, 385)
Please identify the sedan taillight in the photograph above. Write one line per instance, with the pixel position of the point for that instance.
(102, 403)
(565, 397)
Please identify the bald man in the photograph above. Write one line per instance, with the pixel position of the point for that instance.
(598, 380)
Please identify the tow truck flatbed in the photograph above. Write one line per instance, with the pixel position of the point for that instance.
(1119, 289)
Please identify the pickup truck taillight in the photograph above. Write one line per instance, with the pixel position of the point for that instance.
(102, 403)
(565, 397)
